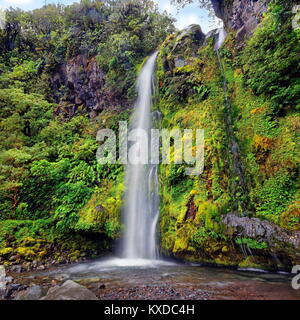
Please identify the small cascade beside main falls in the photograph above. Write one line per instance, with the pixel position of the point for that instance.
(240, 185)
(141, 208)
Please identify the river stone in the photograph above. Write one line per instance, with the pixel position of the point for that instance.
(2, 273)
(69, 291)
(32, 293)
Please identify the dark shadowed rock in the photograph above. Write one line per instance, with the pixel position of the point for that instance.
(100, 208)
(69, 291)
(85, 82)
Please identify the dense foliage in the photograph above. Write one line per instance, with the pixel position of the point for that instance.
(68, 71)
(259, 110)
(50, 183)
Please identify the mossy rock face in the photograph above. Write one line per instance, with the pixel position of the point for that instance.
(251, 262)
(102, 213)
(209, 217)
(32, 251)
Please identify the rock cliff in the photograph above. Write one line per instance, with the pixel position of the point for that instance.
(79, 82)
(242, 16)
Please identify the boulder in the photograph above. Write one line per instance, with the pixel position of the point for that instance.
(31, 293)
(179, 62)
(12, 288)
(193, 33)
(70, 290)
(258, 229)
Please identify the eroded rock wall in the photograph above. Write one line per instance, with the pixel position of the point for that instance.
(80, 83)
(242, 16)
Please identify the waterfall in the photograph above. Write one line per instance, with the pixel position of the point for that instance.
(141, 202)
(222, 34)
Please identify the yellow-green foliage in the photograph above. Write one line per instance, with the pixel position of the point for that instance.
(6, 251)
(25, 252)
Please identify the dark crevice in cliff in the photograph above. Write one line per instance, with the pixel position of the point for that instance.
(238, 181)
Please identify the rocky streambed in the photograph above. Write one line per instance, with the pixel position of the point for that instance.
(116, 280)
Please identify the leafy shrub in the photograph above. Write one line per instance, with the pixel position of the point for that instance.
(270, 57)
(252, 243)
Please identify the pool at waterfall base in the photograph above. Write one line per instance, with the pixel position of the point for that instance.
(123, 279)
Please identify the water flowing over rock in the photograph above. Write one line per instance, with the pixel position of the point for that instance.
(220, 38)
(69, 291)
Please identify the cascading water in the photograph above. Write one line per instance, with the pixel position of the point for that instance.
(141, 209)
(237, 166)
(222, 34)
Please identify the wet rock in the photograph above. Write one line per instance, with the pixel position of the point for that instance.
(42, 267)
(9, 280)
(31, 293)
(85, 82)
(191, 210)
(62, 277)
(69, 291)
(100, 208)
(240, 35)
(2, 272)
(258, 229)
(12, 288)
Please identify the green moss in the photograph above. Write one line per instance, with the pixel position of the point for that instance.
(251, 262)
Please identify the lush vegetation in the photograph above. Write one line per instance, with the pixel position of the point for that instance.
(262, 103)
(66, 72)
(52, 190)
